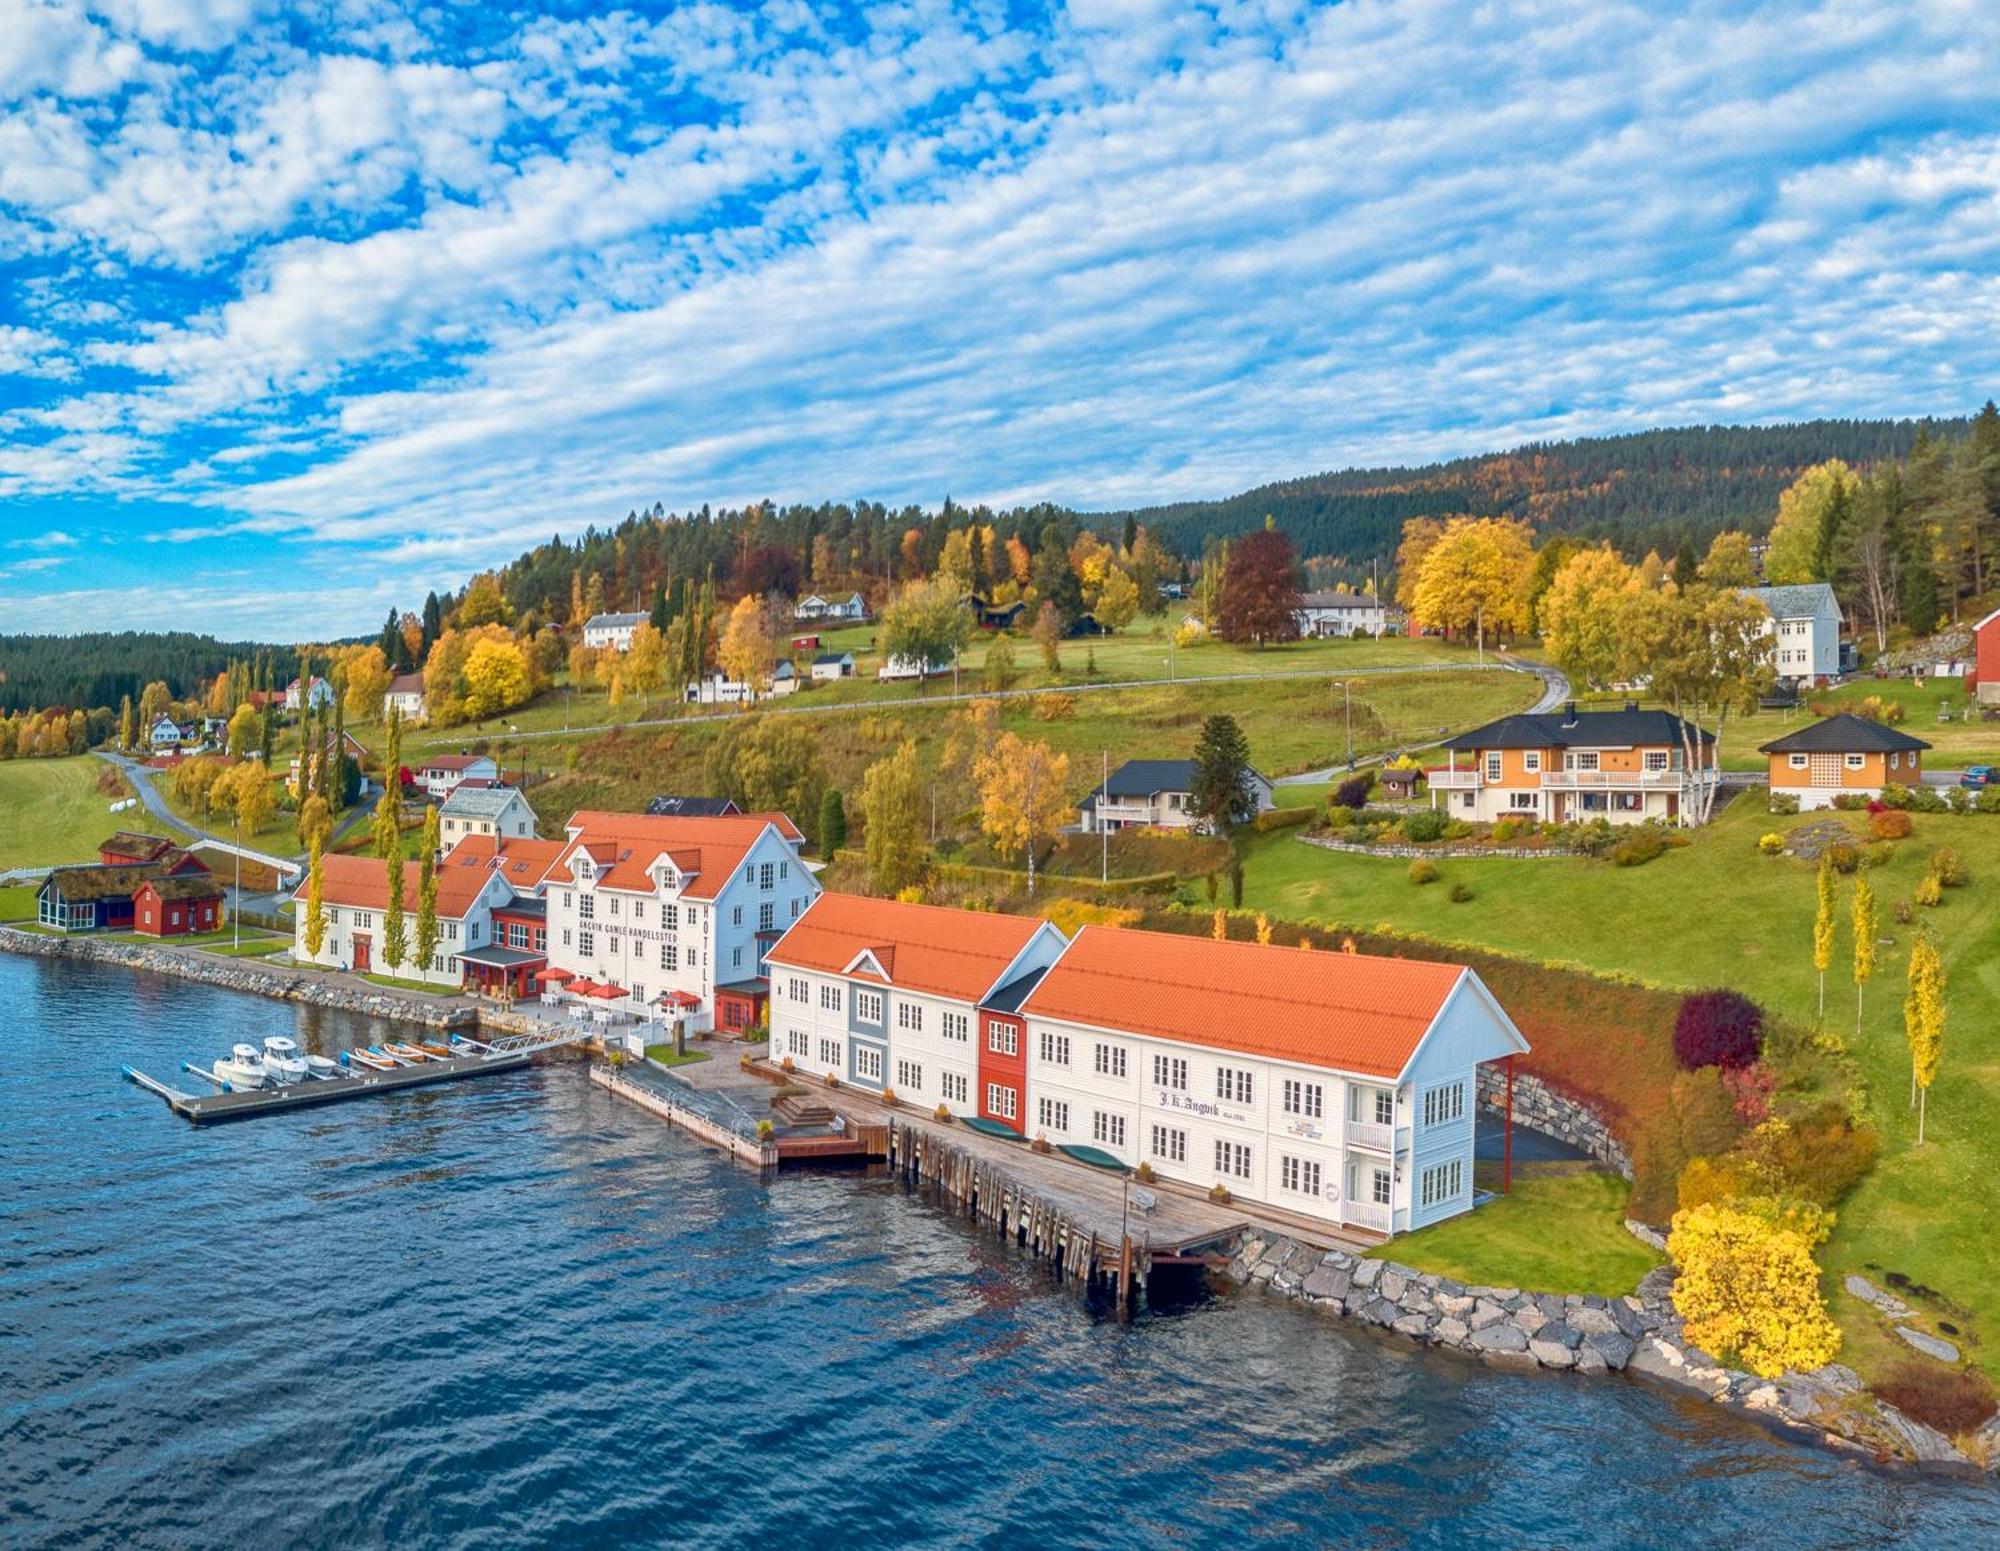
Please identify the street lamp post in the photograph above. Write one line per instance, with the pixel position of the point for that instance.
(236, 914)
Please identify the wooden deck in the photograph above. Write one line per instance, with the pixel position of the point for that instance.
(209, 1108)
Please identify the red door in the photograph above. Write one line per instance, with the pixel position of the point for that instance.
(361, 954)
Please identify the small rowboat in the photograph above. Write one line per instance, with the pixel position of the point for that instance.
(410, 1053)
(368, 1059)
(435, 1052)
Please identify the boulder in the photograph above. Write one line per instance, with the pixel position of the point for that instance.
(1455, 1303)
(1327, 1284)
(1551, 1354)
(1413, 1325)
(1589, 1321)
(1485, 1314)
(1452, 1330)
(1930, 1346)
(1367, 1272)
(1613, 1349)
(1392, 1283)
(1870, 1294)
(1561, 1331)
(1528, 1319)
(1590, 1361)
(1500, 1338)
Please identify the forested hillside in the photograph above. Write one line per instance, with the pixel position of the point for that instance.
(100, 669)
(1652, 490)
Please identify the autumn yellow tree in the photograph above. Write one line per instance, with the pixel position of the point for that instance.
(1475, 578)
(1583, 614)
(1117, 599)
(496, 679)
(250, 797)
(1218, 928)
(367, 682)
(645, 667)
(1810, 513)
(1865, 926)
(315, 916)
(1419, 535)
(892, 796)
(1923, 1022)
(1823, 929)
(246, 730)
(1023, 796)
(1728, 563)
(1748, 1289)
(746, 647)
(315, 822)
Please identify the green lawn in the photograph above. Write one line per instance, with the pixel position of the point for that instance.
(1718, 914)
(17, 904)
(663, 1055)
(396, 984)
(1561, 1229)
(53, 811)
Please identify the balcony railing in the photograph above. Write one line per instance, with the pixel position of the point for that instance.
(1366, 1214)
(1125, 812)
(1452, 780)
(1625, 780)
(1377, 1138)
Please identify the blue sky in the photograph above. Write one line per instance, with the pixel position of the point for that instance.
(306, 308)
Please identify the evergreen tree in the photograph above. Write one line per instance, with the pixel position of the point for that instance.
(394, 648)
(433, 623)
(338, 793)
(1221, 770)
(660, 616)
(1686, 566)
(427, 891)
(832, 822)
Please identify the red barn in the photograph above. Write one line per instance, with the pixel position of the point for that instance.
(1983, 682)
(177, 906)
(129, 848)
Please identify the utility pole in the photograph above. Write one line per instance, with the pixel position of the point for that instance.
(1103, 834)
(236, 913)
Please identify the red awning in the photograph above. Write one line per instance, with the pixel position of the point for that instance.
(558, 975)
(678, 999)
(609, 992)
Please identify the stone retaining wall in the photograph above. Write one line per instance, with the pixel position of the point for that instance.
(1439, 853)
(1538, 1107)
(240, 975)
(1639, 1333)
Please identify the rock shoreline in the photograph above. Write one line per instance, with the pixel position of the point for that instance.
(239, 975)
(1638, 1334)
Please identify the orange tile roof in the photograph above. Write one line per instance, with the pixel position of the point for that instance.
(363, 883)
(626, 845)
(523, 863)
(956, 953)
(1352, 1012)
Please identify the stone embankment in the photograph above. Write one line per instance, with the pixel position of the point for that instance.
(1639, 1333)
(255, 977)
(1538, 1107)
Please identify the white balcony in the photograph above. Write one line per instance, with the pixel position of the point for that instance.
(1366, 1214)
(1370, 1137)
(1625, 780)
(1452, 780)
(1124, 813)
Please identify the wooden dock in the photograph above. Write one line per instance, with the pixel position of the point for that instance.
(211, 1108)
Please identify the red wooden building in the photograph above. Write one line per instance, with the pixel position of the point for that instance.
(1983, 682)
(1003, 1054)
(177, 906)
(129, 848)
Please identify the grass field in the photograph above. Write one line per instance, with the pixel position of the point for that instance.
(51, 811)
(17, 904)
(1561, 1229)
(1716, 913)
(1139, 653)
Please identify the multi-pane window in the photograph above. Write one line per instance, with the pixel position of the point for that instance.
(766, 919)
(910, 1015)
(795, 988)
(765, 874)
(1378, 1186)
(1055, 1048)
(1004, 1039)
(1441, 1183)
(1232, 1159)
(1110, 1060)
(867, 1063)
(955, 1086)
(638, 910)
(1108, 1128)
(1054, 1115)
(670, 917)
(957, 1026)
(670, 956)
(586, 908)
(868, 1006)
(1000, 1099)
(1170, 1143)
(795, 1041)
(1304, 1098)
(829, 1052)
(1444, 1105)
(909, 1075)
(736, 915)
(586, 943)
(613, 902)
(1170, 1071)
(1233, 1083)
(1299, 1175)
(1385, 1107)
(829, 998)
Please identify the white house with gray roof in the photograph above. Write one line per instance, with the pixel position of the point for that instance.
(485, 810)
(1156, 794)
(1805, 627)
(611, 632)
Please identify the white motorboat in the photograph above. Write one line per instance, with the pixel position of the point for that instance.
(322, 1066)
(243, 1069)
(282, 1061)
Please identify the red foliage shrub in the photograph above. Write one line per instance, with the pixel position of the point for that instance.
(1718, 1028)
(1750, 1089)
(1953, 1400)
(1353, 792)
(1890, 824)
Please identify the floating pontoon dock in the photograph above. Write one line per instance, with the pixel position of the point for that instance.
(508, 1054)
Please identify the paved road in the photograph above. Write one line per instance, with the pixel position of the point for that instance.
(1555, 690)
(460, 735)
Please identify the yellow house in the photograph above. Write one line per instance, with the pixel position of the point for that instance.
(1843, 756)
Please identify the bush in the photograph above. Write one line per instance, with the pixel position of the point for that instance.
(1219, 1194)
(1639, 848)
(1958, 799)
(765, 1129)
(1280, 818)
(1425, 826)
(1988, 800)
(1748, 1289)
(1905, 912)
(1925, 799)
(1842, 858)
(1718, 1028)
(1053, 708)
(1353, 792)
(1338, 817)
(1889, 824)
(1770, 845)
(1422, 872)
(1504, 830)
(1875, 855)
(942, 1113)
(1144, 1173)
(1750, 1089)
(1821, 1156)
(1460, 894)
(1930, 893)
(1854, 802)
(1955, 1401)
(1948, 867)
(1784, 802)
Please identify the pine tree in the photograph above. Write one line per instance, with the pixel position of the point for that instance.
(1221, 795)
(832, 822)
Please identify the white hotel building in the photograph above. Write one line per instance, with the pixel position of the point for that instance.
(674, 914)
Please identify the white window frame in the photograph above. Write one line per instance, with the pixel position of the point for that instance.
(867, 1006)
(1001, 1099)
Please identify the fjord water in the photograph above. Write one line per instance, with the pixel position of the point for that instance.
(517, 1311)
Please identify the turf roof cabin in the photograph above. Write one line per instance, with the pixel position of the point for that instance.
(1843, 756)
(1565, 766)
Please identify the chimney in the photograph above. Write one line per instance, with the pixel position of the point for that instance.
(1569, 714)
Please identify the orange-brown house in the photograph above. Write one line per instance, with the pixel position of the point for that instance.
(1843, 756)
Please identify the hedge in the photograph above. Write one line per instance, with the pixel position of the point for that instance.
(1282, 818)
